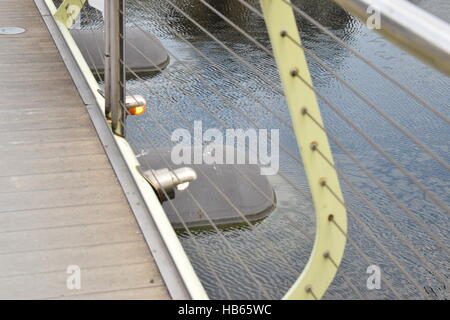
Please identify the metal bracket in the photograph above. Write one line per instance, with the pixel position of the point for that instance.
(165, 181)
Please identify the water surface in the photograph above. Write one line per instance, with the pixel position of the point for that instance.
(276, 250)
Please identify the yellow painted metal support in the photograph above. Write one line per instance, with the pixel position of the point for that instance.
(68, 11)
(331, 218)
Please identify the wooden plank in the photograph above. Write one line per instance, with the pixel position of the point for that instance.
(52, 181)
(34, 57)
(30, 263)
(17, 167)
(80, 131)
(18, 201)
(50, 150)
(34, 44)
(53, 285)
(110, 211)
(11, 70)
(28, 115)
(17, 9)
(53, 104)
(64, 121)
(21, 76)
(146, 293)
(79, 236)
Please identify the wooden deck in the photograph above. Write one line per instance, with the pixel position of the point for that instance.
(60, 201)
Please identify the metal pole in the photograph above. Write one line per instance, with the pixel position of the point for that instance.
(107, 18)
(117, 66)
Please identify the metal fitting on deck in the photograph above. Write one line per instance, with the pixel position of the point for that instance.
(165, 181)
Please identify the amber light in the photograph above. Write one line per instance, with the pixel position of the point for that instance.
(137, 111)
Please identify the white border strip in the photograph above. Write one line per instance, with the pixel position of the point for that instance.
(181, 260)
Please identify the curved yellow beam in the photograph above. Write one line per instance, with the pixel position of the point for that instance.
(68, 11)
(331, 218)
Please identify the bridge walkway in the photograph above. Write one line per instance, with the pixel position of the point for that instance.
(61, 204)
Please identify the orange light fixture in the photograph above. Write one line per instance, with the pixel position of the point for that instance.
(136, 105)
(137, 111)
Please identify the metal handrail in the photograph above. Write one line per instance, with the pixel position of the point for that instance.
(408, 26)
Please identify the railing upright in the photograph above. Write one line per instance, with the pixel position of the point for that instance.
(114, 65)
(107, 77)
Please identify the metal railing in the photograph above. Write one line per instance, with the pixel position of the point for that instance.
(408, 26)
(312, 136)
(115, 82)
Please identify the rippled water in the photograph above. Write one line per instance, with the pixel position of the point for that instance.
(275, 251)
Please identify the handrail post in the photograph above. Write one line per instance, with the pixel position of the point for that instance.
(107, 78)
(115, 75)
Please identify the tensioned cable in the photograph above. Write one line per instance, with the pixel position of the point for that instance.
(393, 290)
(210, 221)
(207, 216)
(380, 71)
(264, 195)
(221, 192)
(227, 101)
(195, 241)
(342, 80)
(218, 189)
(317, 59)
(163, 73)
(284, 33)
(381, 185)
(308, 236)
(395, 261)
(295, 273)
(147, 85)
(342, 116)
(377, 242)
(246, 63)
(372, 207)
(405, 241)
(229, 202)
(368, 173)
(191, 70)
(351, 241)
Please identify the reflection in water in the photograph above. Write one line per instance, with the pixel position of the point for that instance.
(277, 233)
